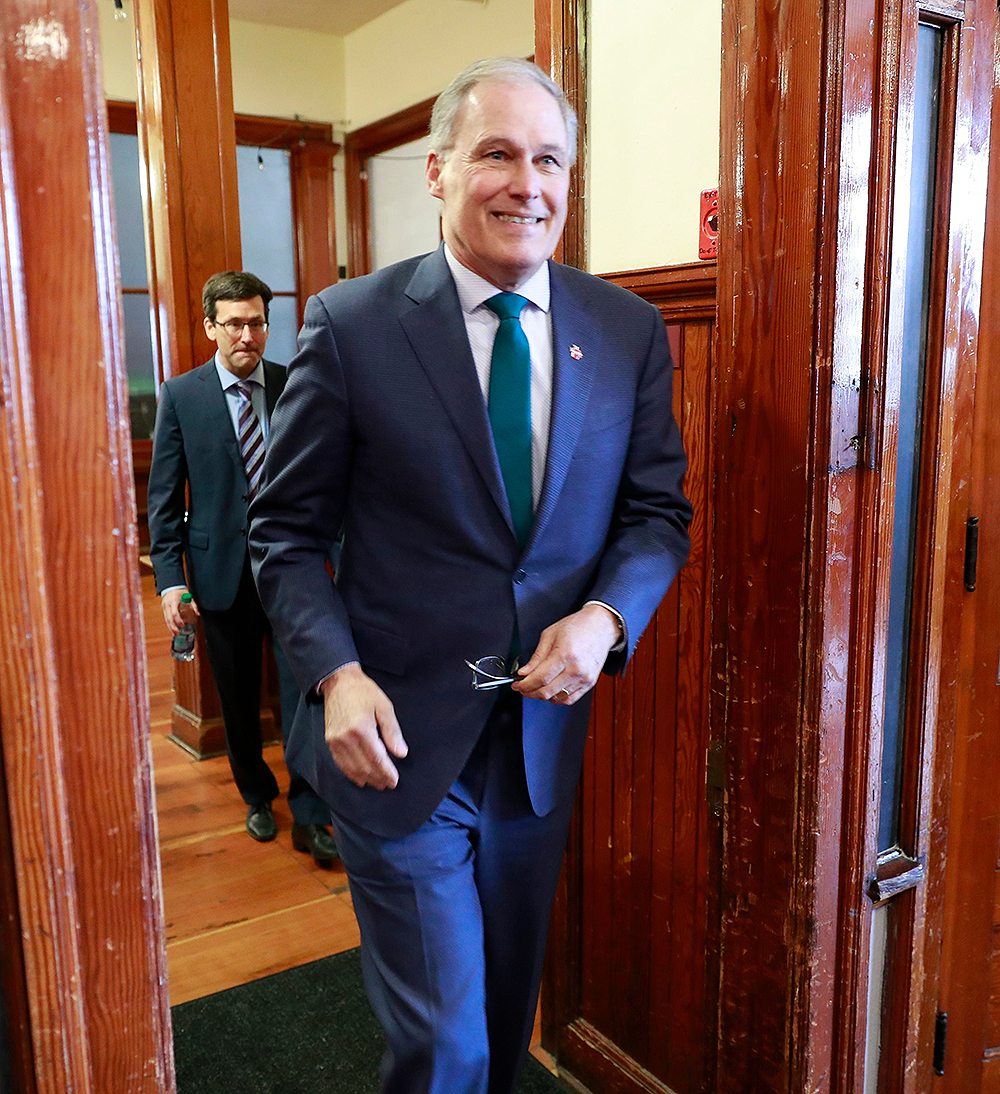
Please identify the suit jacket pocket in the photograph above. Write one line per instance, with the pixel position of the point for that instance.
(381, 650)
(197, 538)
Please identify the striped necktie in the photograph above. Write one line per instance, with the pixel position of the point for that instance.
(251, 438)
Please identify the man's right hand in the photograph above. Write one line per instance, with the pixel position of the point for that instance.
(361, 728)
(174, 612)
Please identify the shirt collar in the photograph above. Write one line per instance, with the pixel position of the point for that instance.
(473, 290)
(227, 379)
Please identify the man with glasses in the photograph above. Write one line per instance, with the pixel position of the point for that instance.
(212, 426)
(494, 432)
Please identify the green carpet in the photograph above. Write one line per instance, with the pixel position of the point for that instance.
(319, 1037)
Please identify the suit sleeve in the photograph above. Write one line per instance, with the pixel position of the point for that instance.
(166, 496)
(296, 516)
(648, 539)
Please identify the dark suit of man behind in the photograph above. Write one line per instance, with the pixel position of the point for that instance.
(201, 545)
(452, 804)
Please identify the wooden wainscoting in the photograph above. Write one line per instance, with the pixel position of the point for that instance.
(629, 1001)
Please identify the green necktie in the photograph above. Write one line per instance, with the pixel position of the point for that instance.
(510, 408)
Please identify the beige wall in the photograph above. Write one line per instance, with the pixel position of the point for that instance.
(655, 70)
(412, 51)
(655, 73)
(276, 70)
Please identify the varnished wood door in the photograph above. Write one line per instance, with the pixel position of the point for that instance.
(629, 1003)
(969, 995)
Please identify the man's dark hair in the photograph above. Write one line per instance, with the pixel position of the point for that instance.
(233, 285)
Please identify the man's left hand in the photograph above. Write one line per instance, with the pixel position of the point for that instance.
(569, 656)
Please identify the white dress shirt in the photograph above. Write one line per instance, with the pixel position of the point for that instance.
(233, 398)
(481, 325)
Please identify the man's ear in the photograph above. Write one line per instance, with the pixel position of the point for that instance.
(210, 329)
(433, 174)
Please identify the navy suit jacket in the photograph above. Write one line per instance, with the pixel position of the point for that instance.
(194, 445)
(383, 429)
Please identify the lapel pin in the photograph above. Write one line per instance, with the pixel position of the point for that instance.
(575, 352)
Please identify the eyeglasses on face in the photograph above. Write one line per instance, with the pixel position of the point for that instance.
(492, 672)
(234, 327)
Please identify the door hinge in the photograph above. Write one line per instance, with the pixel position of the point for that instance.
(715, 777)
(971, 548)
(940, 1041)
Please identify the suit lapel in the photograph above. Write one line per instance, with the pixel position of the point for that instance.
(274, 385)
(576, 343)
(435, 328)
(218, 411)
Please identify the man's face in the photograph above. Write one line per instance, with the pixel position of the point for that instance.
(505, 181)
(239, 352)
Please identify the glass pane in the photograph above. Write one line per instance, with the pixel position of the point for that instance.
(266, 231)
(139, 362)
(404, 217)
(128, 209)
(282, 330)
(915, 325)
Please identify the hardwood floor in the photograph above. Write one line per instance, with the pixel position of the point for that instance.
(235, 910)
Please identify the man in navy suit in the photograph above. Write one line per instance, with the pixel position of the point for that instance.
(492, 533)
(202, 544)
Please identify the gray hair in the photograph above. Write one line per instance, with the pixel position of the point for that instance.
(511, 70)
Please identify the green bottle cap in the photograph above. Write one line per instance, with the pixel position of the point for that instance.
(186, 598)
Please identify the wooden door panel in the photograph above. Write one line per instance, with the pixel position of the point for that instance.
(634, 1010)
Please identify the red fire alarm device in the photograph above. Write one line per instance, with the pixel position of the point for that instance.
(708, 246)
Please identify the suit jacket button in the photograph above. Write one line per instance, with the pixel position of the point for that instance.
(519, 576)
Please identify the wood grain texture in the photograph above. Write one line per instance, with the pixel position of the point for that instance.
(561, 51)
(628, 1001)
(963, 928)
(769, 515)
(187, 149)
(81, 818)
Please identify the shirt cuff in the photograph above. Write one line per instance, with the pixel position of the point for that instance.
(622, 642)
(171, 588)
(324, 679)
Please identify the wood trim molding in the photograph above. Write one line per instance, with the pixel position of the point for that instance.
(272, 132)
(561, 51)
(359, 146)
(683, 292)
(192, 199)
(312, 150)
(73, 688)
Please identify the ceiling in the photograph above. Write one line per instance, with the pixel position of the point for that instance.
(331, 16)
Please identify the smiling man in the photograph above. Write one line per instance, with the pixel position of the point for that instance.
(208, 454)
(493, 431)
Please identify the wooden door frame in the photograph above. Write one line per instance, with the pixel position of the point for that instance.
(360, 145)
(80, 810)
(798, 614)
(965, 803)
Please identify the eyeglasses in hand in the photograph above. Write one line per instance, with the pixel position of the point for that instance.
(489, 673)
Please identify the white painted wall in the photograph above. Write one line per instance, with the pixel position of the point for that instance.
(655, 75)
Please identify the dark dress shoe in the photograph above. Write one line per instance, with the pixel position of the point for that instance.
(261, 823)
(315, 839)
